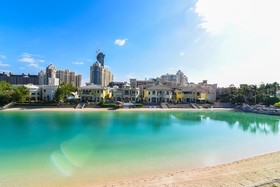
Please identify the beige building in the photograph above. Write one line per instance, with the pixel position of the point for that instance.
(125, 93)
(158, 94)
(69, 77)
(201, 92)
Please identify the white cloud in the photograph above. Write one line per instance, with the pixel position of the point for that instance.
(4, 65)
(31, 60)
(246, 36)
(78, 63)
(2, 57)
(120, 42)
(22, 68)
(250, 16)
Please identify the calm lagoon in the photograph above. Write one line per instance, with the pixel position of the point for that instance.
(73, 147)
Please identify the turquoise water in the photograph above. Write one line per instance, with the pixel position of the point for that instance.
(104, 145)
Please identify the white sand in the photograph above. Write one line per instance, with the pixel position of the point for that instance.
(256, 171)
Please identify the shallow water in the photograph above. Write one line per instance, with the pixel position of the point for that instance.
(107, 145)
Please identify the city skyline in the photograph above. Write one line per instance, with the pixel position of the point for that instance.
(223, 41)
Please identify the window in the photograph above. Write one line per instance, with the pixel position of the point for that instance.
(154, 92)
(167, 93)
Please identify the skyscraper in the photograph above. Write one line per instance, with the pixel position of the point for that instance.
(42, 78)
(69, 77)
(50, 73)
(100, 58)
(98, 73)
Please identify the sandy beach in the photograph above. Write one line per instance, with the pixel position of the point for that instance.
(262, 171)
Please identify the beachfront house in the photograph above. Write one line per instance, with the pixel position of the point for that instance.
(125, 94)
(201, 92)
(94, 93)
(158, 94)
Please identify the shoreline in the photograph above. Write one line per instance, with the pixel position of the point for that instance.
(65, 109)
(257, 171)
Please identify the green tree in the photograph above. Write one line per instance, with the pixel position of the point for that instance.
(63, 91)
(6, 91)
(20, 94)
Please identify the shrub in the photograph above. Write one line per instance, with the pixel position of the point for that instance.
(277, 105)
(108, 105)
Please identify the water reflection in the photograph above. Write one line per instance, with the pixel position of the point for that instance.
(253, 123)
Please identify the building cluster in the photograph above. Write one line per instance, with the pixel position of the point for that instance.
(149, 91)
(42, 87)
(19, 79)
(56, 77)
(166, 88)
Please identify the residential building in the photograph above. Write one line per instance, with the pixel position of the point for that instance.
(157, 94)
(182, 79)
(142, 84)
(34, 90)
(50, 73)
(53, 81)
(179, 79)
(19, 79)
(42, 78)
(94, 93)
(69, 77)
(48, 92)
(99, 74)
(126, 93)
(201, 92)
(114, 83)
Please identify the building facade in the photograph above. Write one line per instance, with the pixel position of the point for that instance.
(19, 79)
(99, 74)
(50, 73)
(94, 93)
(125, 94)
(158, 94)
(179, 79)
(69, 77)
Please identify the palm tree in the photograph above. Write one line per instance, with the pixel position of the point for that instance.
(253, 89)
(275, 87)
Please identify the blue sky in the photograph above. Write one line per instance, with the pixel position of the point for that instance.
(223, 41)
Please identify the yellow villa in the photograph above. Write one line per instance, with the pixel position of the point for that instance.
(94, 93)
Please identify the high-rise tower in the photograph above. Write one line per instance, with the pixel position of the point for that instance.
(98, 73)
(100, 58)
